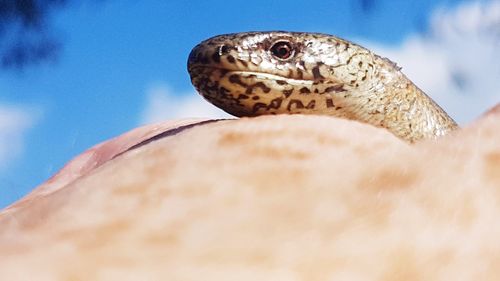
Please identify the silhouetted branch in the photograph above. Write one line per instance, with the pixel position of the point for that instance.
(366, 5)
(25, 32)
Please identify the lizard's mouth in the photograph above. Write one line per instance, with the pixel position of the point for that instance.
(238, 78)
(280, 80)
(237, 82)
(244, 81)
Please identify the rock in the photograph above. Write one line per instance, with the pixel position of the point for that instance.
(269, 198)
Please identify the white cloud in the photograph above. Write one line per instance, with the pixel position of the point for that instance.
(15, 121)
(457, 61)
(163, 104)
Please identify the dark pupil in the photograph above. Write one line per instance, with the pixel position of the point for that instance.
(282, 50)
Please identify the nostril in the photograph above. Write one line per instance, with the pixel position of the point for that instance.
(221, 51)
(203, 54)
(224, 49)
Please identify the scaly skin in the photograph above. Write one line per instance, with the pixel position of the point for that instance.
(256, 73)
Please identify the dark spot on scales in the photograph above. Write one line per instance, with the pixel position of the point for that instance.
(235, 79)
(216, 57)
(260, 85)
(258, 106)
(287, 93)
(213, 88)
(311, 104)
(300, 74)
(223, 72)
(299, 105)
(305, 90)
(316, 73)
(281, 82)
(223, 92)
(329, 103)
(231, 59)
(276, 103)
(335, 88)
(244, 63)
(263, 87)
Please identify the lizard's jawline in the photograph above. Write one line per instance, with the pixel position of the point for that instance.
(268, 76)
(258, 75)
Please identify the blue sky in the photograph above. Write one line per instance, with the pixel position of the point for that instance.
(125, 61)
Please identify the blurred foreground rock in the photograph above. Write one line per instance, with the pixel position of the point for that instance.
(269, 198)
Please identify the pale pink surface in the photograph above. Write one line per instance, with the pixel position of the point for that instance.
(99, 154)
(270, 198)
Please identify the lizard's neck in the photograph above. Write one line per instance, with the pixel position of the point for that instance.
(401, 107)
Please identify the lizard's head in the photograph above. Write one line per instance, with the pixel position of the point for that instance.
(257, 73)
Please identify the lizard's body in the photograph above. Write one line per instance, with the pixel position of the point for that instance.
(255, 73)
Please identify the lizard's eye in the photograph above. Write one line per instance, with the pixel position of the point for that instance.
(282, 50)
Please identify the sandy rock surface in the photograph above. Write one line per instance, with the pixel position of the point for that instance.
(267, 198)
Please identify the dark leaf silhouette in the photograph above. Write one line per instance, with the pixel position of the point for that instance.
(366, 5)
(25, 32)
